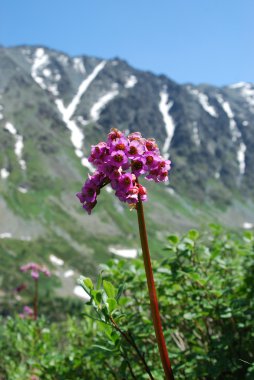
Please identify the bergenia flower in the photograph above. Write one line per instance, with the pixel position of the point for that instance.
(120, 161)
(27, 313)
(35, 270)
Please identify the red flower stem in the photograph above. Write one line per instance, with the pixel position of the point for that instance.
(152, 294)
(35, 299)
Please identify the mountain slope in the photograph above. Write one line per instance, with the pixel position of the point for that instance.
(53, 107)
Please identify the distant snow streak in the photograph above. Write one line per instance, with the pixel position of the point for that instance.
(78, 65)
(19, 145)
(246, 90)
(196, 137)
(4, 173)
(22, 189)
(204, 101)
(56, 260)
(101, 104)
(68, 273)
(5, 235)
(69, 111)
(164, 107)
(41, 60)
(77, 136)
(127, 253)
(241, 157)
(235, 132)
(131, 82)
(80, 292)
(248, 225)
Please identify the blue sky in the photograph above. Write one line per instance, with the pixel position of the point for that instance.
(197, 41)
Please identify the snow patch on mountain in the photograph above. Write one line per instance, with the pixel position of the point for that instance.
(56, 260)
(47, 72)
(19, 145)
(248, 225)
(246, 91)
(63, 59)
(77, 136)
(241, 158)
(82, 121)
(127, 253)
(131, 82)
(68, 273)
(80, 292)
(195, 135)
(102, 102)
(78, 65)
(69, 111)
(41, 59)
(5, 235)
(204, 101)
(4, 173)
(164, 107)
(236, 134)
(22, 189)
(42, 75)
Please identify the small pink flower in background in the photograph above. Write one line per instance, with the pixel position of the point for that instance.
(34, 377)
(35, 270)
(120, 161)
(27, 313)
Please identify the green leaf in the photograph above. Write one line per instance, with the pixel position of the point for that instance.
(109, 289)
(99, 281)
(103, 348)
(193, 234)
(112, 305)
(120, 291)
(96, 296)
(174, 239)
(86, 283)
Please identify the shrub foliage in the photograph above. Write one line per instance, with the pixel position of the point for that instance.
(206, 293)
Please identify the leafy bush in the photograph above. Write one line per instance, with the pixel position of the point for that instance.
(205, 289)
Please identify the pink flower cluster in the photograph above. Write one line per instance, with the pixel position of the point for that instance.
(35, 270)
(120, 161)
(27, 313)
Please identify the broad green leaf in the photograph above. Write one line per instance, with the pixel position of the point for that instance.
(99, 281)
(109, 289)
(120, 291)
(193, 234)
(96, 296)
(103, 348)
(86, 283)
(174, 239)
(112, 305)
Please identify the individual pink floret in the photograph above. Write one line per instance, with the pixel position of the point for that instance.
(136, 149)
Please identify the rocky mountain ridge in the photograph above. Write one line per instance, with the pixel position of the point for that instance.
(53, 107)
